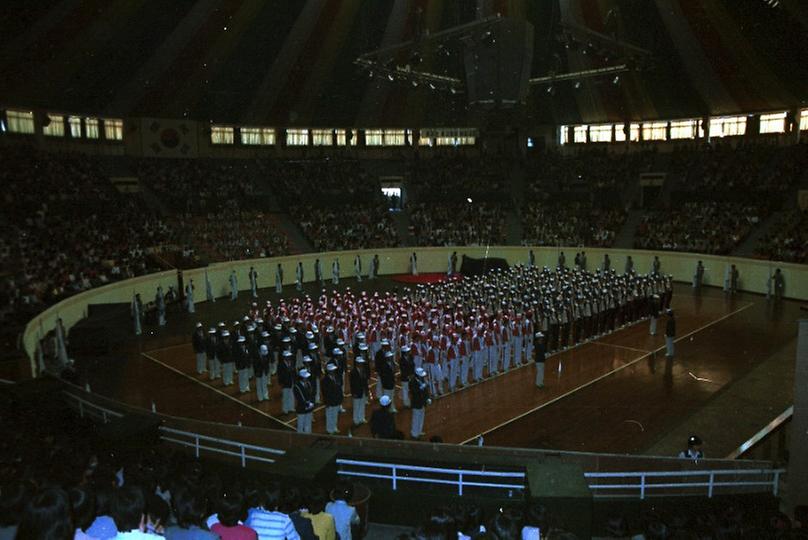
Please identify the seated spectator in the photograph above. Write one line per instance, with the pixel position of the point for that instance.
(265, 517)
(82, 503)
(46, 517)
(323, 522)
(344, 514)
(231, 511)
(129, 513)
(189, 511)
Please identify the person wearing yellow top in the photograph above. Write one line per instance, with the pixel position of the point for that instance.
(322, 521)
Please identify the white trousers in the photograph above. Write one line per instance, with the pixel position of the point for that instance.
(417, 426)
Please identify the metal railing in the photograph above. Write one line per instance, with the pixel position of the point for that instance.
(88, 408)
(639, 484)
(396, 472)
(245, 452)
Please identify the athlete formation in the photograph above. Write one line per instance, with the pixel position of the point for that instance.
(420, 343)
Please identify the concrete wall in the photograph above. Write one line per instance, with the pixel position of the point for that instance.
(753, 275)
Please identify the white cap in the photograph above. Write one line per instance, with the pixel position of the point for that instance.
(241, 339)
(306, 358)
(363, 346)
(420, 372)
(199, 325)
(340, 341)
(264, 333)
(304, 373)
(331, 367)
(263, 349)
(388, 354)
(287, 353)
(337, 351)
(359, 360)
(384, 401)
(312, 346)
(405, 348)
(225, 333)
(309, 335)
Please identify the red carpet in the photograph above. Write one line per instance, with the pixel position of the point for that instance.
(424, 278)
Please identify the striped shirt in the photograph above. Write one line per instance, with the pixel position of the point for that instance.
(271, 525)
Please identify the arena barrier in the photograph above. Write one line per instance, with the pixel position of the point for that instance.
(754, 275)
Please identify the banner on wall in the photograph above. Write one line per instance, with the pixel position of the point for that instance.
(165, 138)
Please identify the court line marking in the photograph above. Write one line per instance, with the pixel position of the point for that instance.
(621, 347)
(225, 394)
(597, 379)
(168, 347)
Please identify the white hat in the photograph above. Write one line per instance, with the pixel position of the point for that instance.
(385, 401)
(331, 367)
(241, 339)
(212, 331)
(337, 352)
(225, 333)
(263, 349)
(264, 333)
(309, 335)
(306, 358)
(359, 360)
(312, 346)
(287, 353)
(304, 373)
(405, 348)
(363, 346)
(199, 325)
(420, 372)
(340, 341)
(385, 341)
(388, 354)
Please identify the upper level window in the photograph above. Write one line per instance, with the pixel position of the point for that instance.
(257, 136)
(113, 129)
(297, 137)
(20, 121)
(55, 125)
(773, 123)
(727, 126)
(221, 135)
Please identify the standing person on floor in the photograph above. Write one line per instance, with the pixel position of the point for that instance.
(198, 343)
(419, 388)
(286, 379)
(189, 296)
(233, 286)
(359, 390)
(414, 264)
(383, 422)
(160, 302)
(332, 395)
(406, 367)
(357, 266)
(318, 272)
(279, 278)
(654, 312)
(209, 289)
(253, 274)
(539, 354)
(387, 374)
(243, 364)
(214, 367)
(335, 272)
(224, 352)
(670, 334)
(304, 401)
(698, 277)
(299, 276)
(261, 369)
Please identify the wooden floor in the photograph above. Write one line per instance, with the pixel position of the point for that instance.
(616, 394)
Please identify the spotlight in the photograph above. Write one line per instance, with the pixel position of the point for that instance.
(415, 84)
(577, 85)
(616, 80)
(390, 76)
(468, 199)
(431, 86)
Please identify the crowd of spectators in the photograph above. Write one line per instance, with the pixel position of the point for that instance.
(456, 178)
(602, 174)
(198, 186)
(318, 182)
(570, 224)
(788, 239)
(62, 480)
(231, 234)
(354, 226)
(704, 227)
(457, 224)
(65, 228)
